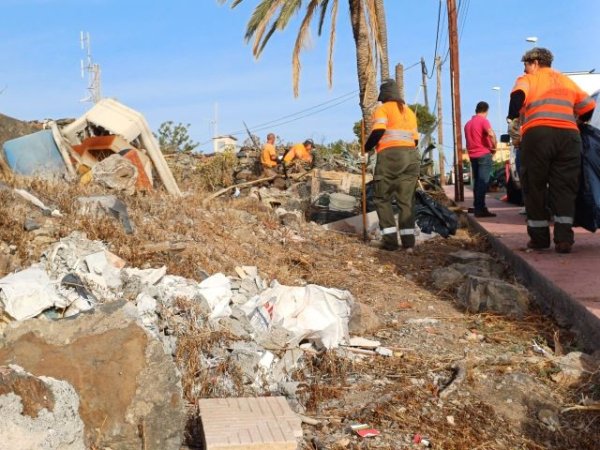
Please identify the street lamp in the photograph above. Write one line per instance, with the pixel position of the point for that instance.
(498, 90)
(532, 39)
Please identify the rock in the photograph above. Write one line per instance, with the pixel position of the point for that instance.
(363, 320)
(423, 321)
(549, 418)
(40, 413)
(102, 205)
(30, 224)
(480, 294)
(465, 256)
(573, 368)
(129, 389)
(445, 277)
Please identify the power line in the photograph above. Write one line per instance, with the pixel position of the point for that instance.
(437, 37)
(273, 122)
(301, 117)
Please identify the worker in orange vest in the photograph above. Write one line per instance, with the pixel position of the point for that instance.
(268, 156)
(301, 152)
(545, 104)
(394, 136)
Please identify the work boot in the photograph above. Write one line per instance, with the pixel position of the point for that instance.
(385, 245)
(537, 245)
(563, 247)
(484, 213)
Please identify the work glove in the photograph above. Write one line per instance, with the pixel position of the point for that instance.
(280, 158)
(514, 130)
(364, 159)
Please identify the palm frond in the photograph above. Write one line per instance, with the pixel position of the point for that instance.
(289, 8)
(324, 5)
(300, 41)
(334, 9)
(261, 16)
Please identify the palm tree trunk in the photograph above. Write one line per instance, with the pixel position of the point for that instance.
(384, 56)
(364, 62)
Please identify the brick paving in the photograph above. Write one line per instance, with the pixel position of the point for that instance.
(263, 423)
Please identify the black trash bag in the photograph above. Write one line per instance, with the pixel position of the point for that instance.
(587, 204)
(431, 216)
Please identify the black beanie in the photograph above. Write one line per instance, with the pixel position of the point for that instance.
(389, 92)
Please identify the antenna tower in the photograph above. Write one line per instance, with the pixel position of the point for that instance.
(93, 69)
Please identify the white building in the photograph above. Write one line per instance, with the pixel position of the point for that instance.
(224, 143)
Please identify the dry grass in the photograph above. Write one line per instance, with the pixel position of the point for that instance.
(379, 391)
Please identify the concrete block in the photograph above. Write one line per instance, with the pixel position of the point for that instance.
(264, 423)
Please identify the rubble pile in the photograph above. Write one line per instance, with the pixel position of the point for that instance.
(132, 306)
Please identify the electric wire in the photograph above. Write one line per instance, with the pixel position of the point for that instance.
(345, 96)
(285, 122)
(437, 37)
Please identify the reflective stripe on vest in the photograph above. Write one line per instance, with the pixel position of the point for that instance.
(538, 223)
(582, 104)
(389, 230)
(397, 135)
(563, 219)
(542, 112)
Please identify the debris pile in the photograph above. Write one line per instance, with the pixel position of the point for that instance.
(111, 145)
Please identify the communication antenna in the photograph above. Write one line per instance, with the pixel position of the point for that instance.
(93, 69)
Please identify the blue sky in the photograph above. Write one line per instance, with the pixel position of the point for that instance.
(176, 60)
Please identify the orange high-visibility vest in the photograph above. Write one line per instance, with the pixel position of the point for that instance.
(400, 126)
(268, 152)
(551, 99)
(298, 151)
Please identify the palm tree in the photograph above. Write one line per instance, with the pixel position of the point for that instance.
(384, 57)
(273, 15)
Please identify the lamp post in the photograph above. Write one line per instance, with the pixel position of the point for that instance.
(499, 90)
(532, 39)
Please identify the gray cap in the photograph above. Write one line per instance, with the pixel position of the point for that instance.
(542, 55)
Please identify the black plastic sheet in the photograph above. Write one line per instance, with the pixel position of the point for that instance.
(587, 204)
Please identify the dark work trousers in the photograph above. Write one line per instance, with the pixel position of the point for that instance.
(396, 175)
(481, 168)
(550, 161)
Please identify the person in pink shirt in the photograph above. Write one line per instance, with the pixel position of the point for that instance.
(481, 145)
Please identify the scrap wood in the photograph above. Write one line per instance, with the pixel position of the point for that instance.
(592, 407)
(309, 420)
(165, 246)
(295, 177)
(227, 189)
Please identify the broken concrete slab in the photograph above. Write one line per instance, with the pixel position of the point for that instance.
(38, 412)
(480, 294)
(265, 423)
(363, 320)
(100, 205)
(129, 389)
(116, 173)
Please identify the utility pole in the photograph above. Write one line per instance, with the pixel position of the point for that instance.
(438, 67)
(459, 192)
(424, 78)
(400, 78)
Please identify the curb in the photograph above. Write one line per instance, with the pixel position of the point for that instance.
(552, 300)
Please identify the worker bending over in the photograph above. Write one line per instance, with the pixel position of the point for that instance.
(544, 103)
(300, 152)
(395, 137)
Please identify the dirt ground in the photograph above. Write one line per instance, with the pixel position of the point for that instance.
(455, 380)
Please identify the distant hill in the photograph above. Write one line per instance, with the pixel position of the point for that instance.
(11, 128)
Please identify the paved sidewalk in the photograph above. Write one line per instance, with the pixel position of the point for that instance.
(568, 286)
